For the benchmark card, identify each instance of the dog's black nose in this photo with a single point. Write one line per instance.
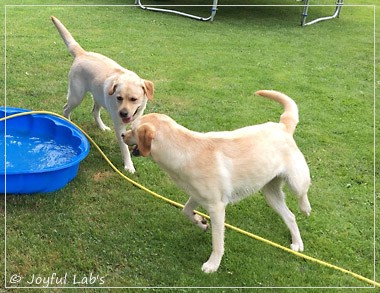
(122, 135)
(123, 114)
(135, 151)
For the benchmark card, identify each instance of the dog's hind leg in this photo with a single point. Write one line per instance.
(303, 203)
(298, 179)
(188, 210)
(75, 96)
(98, 120)
(275, 198)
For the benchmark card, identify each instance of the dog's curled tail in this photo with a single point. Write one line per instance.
(74, 48)
(290, 116)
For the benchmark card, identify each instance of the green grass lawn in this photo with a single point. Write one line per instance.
(205, 76)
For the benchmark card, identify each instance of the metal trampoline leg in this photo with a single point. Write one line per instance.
(213, 9)
(338, 8)
(210, 18)
(304, 12)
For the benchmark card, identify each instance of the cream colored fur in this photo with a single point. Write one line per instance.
(218, 168)
(120, 91)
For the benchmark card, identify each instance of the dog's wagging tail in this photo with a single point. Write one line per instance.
(72, 46)
(290, 116)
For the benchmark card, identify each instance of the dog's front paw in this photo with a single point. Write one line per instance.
(209, 267)
(130, 169)
(296, 247)
(104, 128)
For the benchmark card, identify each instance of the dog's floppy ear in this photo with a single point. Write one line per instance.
(112, 88)
(145, 134)
(149, 89)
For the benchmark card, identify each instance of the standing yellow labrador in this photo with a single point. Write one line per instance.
(218, 168)
(120, 91)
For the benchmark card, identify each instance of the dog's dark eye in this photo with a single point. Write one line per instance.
(133, 99)
(119, 98)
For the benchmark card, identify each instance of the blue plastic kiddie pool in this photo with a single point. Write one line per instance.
(38, 152)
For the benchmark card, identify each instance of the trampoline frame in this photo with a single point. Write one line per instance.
(214, 8)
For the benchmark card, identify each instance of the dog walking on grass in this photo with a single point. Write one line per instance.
(120, 91)
(218, 168)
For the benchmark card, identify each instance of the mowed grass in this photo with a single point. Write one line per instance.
(205, 76)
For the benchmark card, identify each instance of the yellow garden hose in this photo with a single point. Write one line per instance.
(178, 205)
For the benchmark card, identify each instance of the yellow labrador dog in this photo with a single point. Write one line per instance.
(120, 91)
(218, 168)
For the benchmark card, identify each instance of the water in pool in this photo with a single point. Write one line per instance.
(34, 153)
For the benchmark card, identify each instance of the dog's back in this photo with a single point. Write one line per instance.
(240, 162)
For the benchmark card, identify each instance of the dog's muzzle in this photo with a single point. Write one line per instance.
(134, 148)
(136, 151)
(124, 116)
